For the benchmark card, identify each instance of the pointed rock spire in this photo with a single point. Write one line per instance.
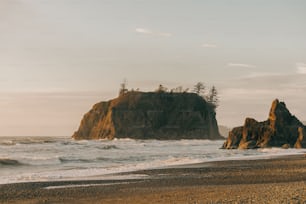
(281, 129)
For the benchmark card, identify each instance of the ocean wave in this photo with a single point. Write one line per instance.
(107, 147)
(79, 160)
(66, 143)
(123, 139)
(172, 161)
(73, 160)
(9, 141)
(9, 162)
(281, 151)
(38, 142)
(103, 159)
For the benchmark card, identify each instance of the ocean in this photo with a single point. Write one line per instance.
(31, 159)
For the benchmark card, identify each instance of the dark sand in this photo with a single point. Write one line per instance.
(278, 180)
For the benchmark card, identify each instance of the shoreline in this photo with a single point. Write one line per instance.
(276, 180)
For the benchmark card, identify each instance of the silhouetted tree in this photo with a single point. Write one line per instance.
(199, 88)
(178, 89)
(123, 88)
(213, 97)
(161, 88)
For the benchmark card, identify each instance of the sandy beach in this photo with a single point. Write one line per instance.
(277, 180)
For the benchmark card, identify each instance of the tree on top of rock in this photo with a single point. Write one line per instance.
(123, 88)
(161, 89)
(199, 88)
(213, 97)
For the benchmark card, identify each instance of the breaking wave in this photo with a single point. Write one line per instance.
(9, 162)
(7, 141)
(73, 160)
(26, 159)
(107, 147)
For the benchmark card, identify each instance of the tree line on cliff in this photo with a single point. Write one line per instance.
(210, 95)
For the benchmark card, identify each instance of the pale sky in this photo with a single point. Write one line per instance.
(59, 57)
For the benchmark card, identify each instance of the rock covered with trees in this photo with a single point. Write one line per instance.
(151, 115)
(211, 95)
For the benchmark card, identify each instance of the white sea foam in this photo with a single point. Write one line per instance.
(65, 159)
(86, 185)
(281, 152)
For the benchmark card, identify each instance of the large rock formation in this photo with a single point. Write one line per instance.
(280, 130)
(150, 115)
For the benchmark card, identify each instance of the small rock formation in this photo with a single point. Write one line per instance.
(152, 115)
(280, 130)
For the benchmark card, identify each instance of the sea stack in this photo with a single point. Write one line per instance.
(281, 129)
(150, 115)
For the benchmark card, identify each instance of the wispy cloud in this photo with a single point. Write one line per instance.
(241, 65)
(263, 75)
(154, 33)
(144, 31)
(301, 68)
(209, 45)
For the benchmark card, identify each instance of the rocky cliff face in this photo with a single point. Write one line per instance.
(280, 130)
(150, 116)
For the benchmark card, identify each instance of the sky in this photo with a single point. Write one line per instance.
(59, 57)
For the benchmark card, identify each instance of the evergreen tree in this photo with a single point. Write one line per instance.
(161, 89)
(199, 88)
(213, 97)
(123, 88)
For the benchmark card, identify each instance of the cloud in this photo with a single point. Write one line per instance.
(154, 33)
(301, 68)
(209, 45)
(144, 31)
(241, 65)
(263, 75)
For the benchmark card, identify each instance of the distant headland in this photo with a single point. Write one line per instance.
(151, 115)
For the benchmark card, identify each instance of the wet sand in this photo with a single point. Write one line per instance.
(278, 180)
